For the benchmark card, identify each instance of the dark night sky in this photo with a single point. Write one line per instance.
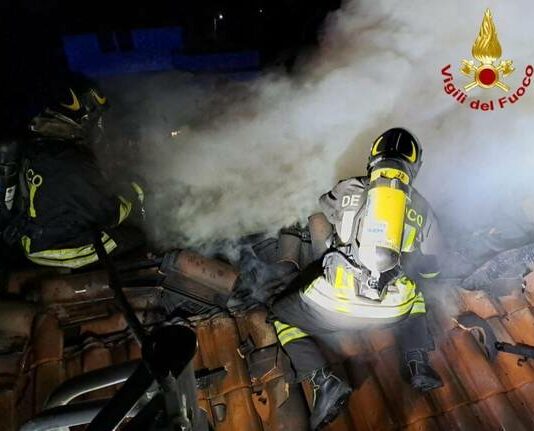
(32, 29)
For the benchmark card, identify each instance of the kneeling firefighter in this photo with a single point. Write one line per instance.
(385, 238)
(66, 197)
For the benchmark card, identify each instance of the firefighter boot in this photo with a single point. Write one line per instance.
(422, 377)
(329, 396)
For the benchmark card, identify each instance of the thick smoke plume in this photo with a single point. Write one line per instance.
(256, 155)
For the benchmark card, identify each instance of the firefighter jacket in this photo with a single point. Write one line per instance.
(338, 289)
(68, 199)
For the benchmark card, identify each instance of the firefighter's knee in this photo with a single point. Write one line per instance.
(287, 333)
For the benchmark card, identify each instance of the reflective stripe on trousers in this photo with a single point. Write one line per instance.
(287, 333)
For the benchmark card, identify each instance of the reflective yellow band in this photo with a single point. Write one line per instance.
(338, 284)
(390, 173)
(408, 238)
(279, 326)
(394, 305)
(290, 335)
(34, 181)
(418, 308)
(31, 209)
(139, 191)
(418, 305)
(67, 257)
(287, 333)
(125, 209)
(429, 274)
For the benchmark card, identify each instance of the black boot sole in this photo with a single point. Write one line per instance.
(334, 411)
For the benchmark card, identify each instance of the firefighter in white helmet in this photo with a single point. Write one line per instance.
(386, 239)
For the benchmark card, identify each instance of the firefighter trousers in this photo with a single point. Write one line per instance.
(299, 324)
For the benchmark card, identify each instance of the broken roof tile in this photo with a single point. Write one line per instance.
(480, 303)
(477, 394)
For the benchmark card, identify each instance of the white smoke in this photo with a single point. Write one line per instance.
(264, 158)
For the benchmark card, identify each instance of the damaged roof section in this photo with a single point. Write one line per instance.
(477, 394)
(82, 330)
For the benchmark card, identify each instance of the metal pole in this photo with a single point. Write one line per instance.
(90, 382)
(118, 407)
(65, 416)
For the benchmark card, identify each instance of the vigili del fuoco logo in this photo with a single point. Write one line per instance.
(486, 71)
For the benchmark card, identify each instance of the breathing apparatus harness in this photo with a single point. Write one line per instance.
(372, 249)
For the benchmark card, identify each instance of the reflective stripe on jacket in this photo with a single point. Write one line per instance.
(67, 257)
(401, 299)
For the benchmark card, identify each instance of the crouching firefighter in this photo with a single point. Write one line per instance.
(66, 197)
(385, 238)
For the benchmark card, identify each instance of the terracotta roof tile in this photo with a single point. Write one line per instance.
(48, 354)
(351, 345)
(239, 412)
(500, 414)
(439, 320)
(381, 339)
(520, 325)
(218, 341)
(526, 394)
(73, 366)
(114, 323)
(461, 418)
(518, 400)
(342, 423)
(407, 406)
(8, 410)
(478, 394)
(468, 362)
(426, 424)
(513, 302)
(453, 393)
(119, 353)
(367, 404)
(94, 358)
(480, 303)
(529, 288)
(134, 351)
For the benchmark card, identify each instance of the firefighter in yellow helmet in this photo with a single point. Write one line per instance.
(67, 199)
(386, 238)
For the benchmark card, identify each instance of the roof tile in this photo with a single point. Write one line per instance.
(461, 418)
(468, 362)
(513, 302)
(520, 325)
(528, 283)
(500, 414)
(426, 424)
(452, 394)
(480, 303)
(367, 404)
(407, 405)
(477, 395)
